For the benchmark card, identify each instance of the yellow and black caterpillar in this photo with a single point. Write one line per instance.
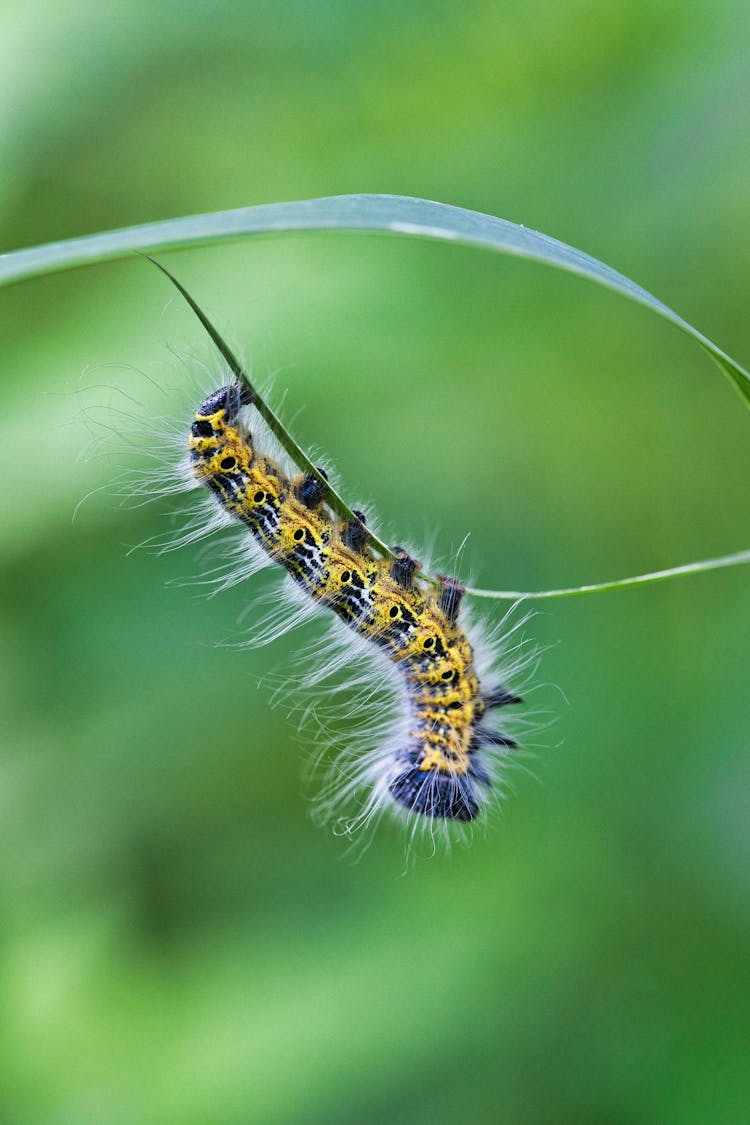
(442, 765)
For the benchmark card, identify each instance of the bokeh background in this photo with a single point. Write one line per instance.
(178, 942)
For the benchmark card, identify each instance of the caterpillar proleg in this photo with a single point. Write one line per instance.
(441, 767)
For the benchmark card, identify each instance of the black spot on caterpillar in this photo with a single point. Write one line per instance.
(440, 764)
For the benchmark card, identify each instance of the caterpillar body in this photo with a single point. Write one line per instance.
(442, 768)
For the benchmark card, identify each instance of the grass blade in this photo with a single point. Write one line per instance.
(336, 502)
(272, 420)
(736, 559)
(392, 214)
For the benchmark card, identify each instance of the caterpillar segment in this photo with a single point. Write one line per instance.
(438, 770)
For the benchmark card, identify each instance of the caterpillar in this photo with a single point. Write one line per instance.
(440, 768)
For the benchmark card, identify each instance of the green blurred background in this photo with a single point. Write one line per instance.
(178, 942)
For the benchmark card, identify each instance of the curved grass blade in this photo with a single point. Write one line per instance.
(336, 502)
(272, 420)
(736, 559)
(393, 214)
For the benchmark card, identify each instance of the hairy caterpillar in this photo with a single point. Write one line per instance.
(441, 767)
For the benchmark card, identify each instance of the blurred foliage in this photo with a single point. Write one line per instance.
(178, 943)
